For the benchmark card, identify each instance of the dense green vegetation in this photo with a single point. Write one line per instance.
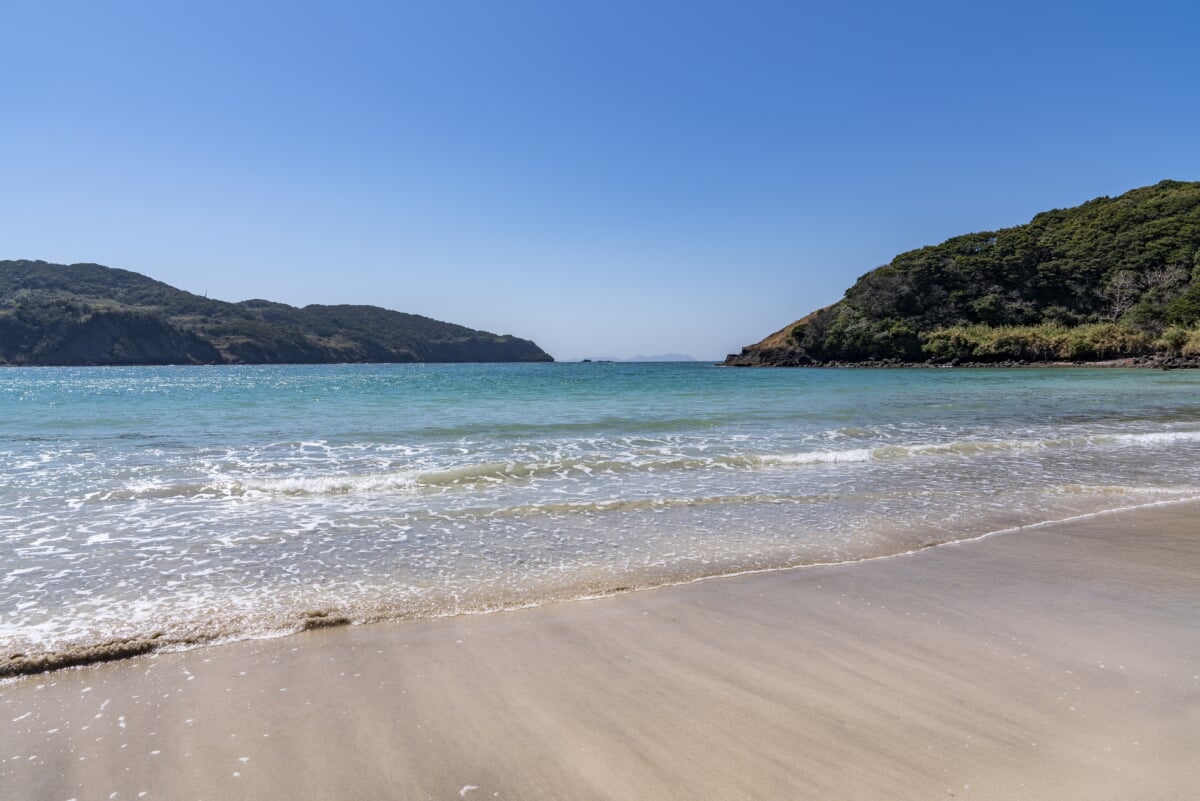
(89, 314)
(1113, 277)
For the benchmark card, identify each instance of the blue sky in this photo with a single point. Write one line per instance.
(606, 178)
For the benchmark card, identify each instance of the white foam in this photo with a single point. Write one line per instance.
(220, 536)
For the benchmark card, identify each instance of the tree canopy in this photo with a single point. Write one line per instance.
(1131, 261)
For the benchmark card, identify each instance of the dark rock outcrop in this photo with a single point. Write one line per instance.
(752, 356)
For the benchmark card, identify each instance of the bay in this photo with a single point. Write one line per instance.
(181, 506)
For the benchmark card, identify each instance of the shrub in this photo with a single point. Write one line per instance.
(1192, 346)
(1173, 340)
(1044, 342)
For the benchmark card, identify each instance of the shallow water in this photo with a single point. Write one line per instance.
(208, 503)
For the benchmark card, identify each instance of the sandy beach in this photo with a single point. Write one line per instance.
(1060, 662)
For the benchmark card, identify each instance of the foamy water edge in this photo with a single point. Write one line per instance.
(29, 665)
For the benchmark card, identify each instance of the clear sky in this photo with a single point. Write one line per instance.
(607, 178)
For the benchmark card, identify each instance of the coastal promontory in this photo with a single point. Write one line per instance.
(88, 314)
(1115, 278)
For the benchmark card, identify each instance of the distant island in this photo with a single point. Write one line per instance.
(658, 357)
(662, 357)
(87, 314)
(1113, 279)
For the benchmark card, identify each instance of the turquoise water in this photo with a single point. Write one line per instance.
(203, 504)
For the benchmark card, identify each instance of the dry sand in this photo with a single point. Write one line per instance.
(1055, 663)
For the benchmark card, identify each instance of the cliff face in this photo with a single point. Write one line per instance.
(1112, 278)
(776, 350)
(123, 337)
(86, 314)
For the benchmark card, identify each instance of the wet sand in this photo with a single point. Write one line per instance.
(1054, 663)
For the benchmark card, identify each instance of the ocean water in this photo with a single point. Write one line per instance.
(178, 506)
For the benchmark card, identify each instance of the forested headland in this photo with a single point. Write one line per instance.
(88, 314)
(1114, 278)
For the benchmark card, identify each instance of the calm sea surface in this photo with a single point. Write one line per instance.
(201, 504)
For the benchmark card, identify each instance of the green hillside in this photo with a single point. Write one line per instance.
(88, 314)
(1115, 277)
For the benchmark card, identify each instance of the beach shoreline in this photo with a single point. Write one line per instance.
(1061, 661)
(31, 663)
